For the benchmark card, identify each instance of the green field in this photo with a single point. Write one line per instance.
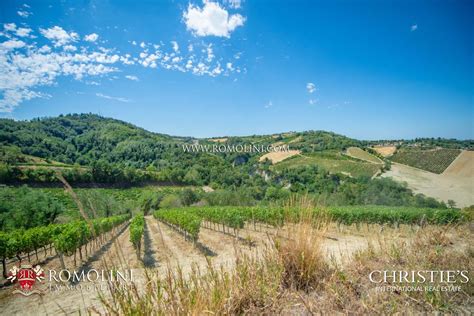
(433, 160)
(334, 162)
(361, 154)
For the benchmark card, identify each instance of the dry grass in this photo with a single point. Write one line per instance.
(278, 156)
(252, 287)
(385, 151)
(293, 276)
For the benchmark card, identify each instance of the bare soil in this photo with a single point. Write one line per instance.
(385, 151)
(456, 183)
(218, 140)
(462, 166)
(276, 157)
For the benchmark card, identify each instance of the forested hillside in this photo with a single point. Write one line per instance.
(89, 149)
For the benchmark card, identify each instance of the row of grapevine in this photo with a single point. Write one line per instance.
(235, 216)
(186, 223)
(65, 238)
(376, 214)
(137, 227)
(18, 242)
(75, 235)
(225, 216)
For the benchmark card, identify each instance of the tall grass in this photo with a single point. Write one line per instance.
(300, 253)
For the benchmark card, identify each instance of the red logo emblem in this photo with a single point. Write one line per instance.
(26, 276)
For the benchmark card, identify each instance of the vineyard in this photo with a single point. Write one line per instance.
(137, 227)
(332, 162)
(433, 160)
(231, 219)
(66, 239)
(187, 238)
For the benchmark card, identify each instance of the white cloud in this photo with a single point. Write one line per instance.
(210, 53)
(27, 65)
(311, 87)
(268, 105)
(414, 27)
(234, 4)
(24, 13)
(133, 78)
(13, 44)
(70, 48)
(212, 19)
(108, 97)
(175, 46)
(313, 101)
(91, 37)
(23, 31)
(9, 27)
(59, 36)
(44, 49)
(23, 71)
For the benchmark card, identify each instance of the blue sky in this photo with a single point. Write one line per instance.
(366, 69)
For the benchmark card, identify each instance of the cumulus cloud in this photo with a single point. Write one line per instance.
(133, 78)
(70, 48)
(311, 87)
(108, 97)
(23, 31)
(414, 27)
(91, 37)
(12, 29)
(59, 36)
(211, 19)
(13, 44)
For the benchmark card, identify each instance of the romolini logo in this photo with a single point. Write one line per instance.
(26, 275)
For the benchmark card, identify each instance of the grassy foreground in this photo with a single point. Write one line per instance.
(294, 275)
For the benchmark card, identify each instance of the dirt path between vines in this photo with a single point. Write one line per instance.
(173, 250)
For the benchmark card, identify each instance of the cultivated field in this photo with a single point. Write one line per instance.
(334, 163)
(276, 157)
(361, 154)
(433, 160)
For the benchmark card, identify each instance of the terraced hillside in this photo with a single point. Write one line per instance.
(432, 160)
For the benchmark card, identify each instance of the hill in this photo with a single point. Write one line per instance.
(90, 149)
